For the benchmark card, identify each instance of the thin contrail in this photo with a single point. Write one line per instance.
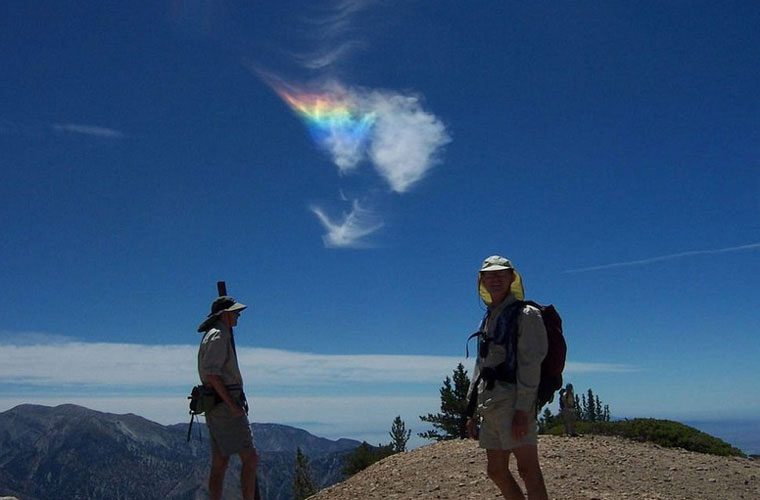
(91, 130)
(751, 246)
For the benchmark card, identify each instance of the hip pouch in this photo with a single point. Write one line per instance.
(202, 399)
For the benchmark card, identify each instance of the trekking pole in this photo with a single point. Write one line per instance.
(221, 287)
(190, 427)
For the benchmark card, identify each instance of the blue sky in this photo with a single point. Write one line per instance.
(611, 150)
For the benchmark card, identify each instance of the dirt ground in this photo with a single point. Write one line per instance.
(587, 467)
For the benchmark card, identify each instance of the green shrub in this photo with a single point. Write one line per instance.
(662, 432)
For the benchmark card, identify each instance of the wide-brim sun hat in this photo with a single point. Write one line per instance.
(222, 304)
(499, 263)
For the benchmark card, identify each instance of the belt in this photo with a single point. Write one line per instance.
(230, 387)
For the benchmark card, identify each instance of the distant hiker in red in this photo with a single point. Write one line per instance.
(227, 422)
(511, 347)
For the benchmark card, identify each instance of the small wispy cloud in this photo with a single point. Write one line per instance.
(680, 255)
(332, 34)
(351, 230)
(91, 130)
(573, 367)
(32, 338)
(327, 56)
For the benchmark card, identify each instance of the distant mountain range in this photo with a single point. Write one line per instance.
(73, 452)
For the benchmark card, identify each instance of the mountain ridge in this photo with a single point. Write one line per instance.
(70, 451)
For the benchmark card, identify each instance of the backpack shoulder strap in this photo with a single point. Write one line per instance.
(467, 345)
(532, 303)
(479, 333)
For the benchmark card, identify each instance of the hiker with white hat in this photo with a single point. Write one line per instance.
(512, 344)
(227, 421)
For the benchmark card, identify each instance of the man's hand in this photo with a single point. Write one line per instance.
(472, 428)
(216, 382)
(520, 424)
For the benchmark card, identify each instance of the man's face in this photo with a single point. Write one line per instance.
(497, 283)
(230, 318)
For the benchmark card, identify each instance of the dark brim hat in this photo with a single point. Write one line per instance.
(225, 303)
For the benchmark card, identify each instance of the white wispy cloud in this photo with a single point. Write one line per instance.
(135, 365)
(91, 130)
(351, 230)
(327, 56)
(680, 255)
(390, 130)
(111, 365)
(19, 338)
(329, 33)
(574, 367)
(344, 395)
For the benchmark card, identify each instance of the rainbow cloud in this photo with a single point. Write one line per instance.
(389, 130)
(392, 131)
(334, 122)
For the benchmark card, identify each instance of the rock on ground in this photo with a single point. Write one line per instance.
(587, 468)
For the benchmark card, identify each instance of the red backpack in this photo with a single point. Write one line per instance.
(554, 362)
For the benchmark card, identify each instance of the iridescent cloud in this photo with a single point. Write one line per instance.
(334, 122)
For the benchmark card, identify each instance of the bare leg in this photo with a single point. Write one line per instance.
(216, 477)
(249, 460)
(498, 471)
(530, 471)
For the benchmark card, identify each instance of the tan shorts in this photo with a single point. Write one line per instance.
(496, 429)
(229, 435)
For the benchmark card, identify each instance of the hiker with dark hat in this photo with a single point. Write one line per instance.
(227, 421)
(512, 344)
(567, 409)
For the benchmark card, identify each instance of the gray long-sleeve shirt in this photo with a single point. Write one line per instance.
(532, 345)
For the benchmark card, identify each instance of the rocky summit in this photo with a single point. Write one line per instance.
(580, 468)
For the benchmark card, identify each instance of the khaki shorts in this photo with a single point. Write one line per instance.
(496, 429)
(229, 435)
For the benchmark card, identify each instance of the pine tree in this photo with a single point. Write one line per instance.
(303, 485)
(590, 409)
(399, 435)
(363, 456)
(546, 421)
(584, 408)
(451, 423)
(599, 413)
